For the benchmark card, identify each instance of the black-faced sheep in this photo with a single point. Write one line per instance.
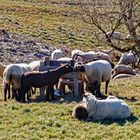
(96, 72)
(41, 79)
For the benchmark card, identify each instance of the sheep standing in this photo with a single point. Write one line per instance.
(96, 72)
(12, 76)
(41, 79)
(109, 108)
(128, 58)
(57, 54)
(7, 86)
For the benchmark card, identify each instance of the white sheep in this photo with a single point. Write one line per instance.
(115, 35)
(110, 108)
(76, 52)
(128, 58)
(35, 65)
(120, 76)
(96, 72)
(57, 54)
(123, 69)
(12, 75)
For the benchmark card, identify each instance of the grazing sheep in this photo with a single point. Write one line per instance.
(109, 108)
(12, 76)
(128, 58)
(57, 54)
(96, 72)
(123, 69)
(41, 79)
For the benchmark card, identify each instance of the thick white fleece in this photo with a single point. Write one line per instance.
(110, 108)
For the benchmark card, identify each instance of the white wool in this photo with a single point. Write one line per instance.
(13, 72)
(35, 65)
(128, 58)
(99, 70)
(57, 54)
(76, 52)
(120, 76)
(110, 108)
(126, 69)
(64, 59)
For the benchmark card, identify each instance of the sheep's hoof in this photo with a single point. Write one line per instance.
(53, 99)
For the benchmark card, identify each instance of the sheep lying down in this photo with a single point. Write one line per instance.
(110, 108)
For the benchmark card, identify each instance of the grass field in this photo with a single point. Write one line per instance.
(57, 23)
(52, 120)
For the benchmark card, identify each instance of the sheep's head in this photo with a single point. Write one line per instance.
(79, 67)
(67, 67)
(80, 112)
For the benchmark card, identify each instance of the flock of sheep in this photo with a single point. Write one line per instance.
(92, 68)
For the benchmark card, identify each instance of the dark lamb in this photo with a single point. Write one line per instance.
(41, 79)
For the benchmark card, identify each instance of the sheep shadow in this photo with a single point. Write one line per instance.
(66, 98)
(132, 119)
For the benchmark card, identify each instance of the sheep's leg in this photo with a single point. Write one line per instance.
(91, 87)
(5, 91)
(106, 86)
(47, 94)
(98, 90)
(9, 96)
(22, 93)
(14, 94)
(29, 94)
(52, 93)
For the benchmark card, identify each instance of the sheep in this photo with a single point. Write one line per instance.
(96, 72)
(35, 65)
(57, 54)
(115, 35)
(109, 108)
(12, 76)
(74, 53)
(92, 56)
(7, 86)
(119, 76)
(41, 79)
(123, 69)
(128, 58)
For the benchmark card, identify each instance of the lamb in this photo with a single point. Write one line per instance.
(123, 69)
(96, 72)
(128, 58)
(57, 54)
(109, 108)
(12, 76)
(46, 78)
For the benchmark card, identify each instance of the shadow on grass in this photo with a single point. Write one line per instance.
(131, 119)
(67, 98)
